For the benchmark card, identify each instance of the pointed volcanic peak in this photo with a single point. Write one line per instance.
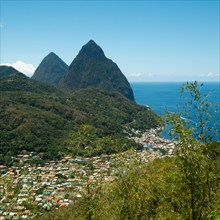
(92, 50)
(51, 69)
(8, 70)
(92, 69)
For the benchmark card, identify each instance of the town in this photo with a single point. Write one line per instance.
(31, 188)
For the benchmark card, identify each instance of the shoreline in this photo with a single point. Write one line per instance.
(151, 140)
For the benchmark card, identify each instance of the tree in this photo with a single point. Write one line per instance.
(193, 130)
(185, 187)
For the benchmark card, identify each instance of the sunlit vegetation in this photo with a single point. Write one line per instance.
(149, 191)
(186, 186)
(38, 117)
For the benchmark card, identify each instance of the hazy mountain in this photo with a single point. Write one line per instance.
(51, 69)
(91, 69)
(7, 70)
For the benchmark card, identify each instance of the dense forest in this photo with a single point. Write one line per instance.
(35, 116)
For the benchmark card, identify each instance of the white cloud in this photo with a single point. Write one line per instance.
(135, 74)
(150, 74)
(209, 75)
(27, 69)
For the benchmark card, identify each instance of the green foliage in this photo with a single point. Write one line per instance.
(200, 110)
(199, 176)
(20, 82)
(7, 71)
(89, 141)
(148, 191)
(112, 113)
(137, 195)
(183, 187)
(38, 117)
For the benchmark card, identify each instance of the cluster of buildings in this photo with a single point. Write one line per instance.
(28, 189)
(153, 142)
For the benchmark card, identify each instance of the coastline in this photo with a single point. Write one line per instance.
(152, 141)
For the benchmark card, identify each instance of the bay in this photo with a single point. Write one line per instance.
(162, 96)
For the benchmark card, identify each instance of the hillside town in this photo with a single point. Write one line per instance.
(30, 188)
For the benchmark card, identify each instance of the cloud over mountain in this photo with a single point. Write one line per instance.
(27, 69)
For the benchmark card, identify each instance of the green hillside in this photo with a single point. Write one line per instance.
(19, 82)
(38, 117)
(7, 71)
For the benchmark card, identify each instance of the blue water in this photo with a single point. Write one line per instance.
(162, 96)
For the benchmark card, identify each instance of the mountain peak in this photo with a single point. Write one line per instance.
(51, 69)
(92, 42)
(93, 50)
(92, 69)
(52, 54)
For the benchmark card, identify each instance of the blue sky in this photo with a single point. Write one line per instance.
(149, 40)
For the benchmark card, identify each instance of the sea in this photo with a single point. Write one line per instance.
(166, 96)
